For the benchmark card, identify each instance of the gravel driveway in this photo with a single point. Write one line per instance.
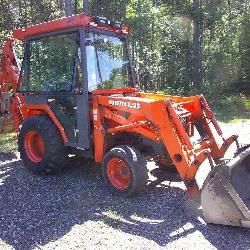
(74, 210)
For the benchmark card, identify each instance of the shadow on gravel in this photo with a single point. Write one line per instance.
(36, 210)
(7, 156)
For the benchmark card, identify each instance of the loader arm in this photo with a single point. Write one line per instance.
(10, 101)
(165, 120)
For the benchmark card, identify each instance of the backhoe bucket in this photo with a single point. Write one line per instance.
(225, 196)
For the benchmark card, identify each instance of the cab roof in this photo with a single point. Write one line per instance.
(75, 21)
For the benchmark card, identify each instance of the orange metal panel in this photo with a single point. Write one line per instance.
(218, 152)
(136, 128)
(114, 91)
(52, 26)
(127, 127)
(47, 110)
(80, 20)
(179, 127)
(98, 131)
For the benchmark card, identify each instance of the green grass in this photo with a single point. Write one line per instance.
(247, 103)
(231, 117)
(8, 142)
(232, 109)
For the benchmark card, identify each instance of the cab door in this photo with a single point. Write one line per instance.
(54, 72)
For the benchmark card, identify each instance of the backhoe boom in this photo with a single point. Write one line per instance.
(10, 101)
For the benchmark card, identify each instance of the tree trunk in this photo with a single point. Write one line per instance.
(197, 45)
(86, 6)
(123, 9)
(68, 8)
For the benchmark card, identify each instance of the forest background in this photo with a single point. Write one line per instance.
(179, 47)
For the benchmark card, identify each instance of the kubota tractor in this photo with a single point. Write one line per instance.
(75, 94)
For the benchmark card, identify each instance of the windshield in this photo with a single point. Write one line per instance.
(107, 62)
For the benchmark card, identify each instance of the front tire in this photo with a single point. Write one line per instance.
(41, 146)
(124, 170)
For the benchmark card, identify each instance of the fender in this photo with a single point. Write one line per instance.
(45, 109)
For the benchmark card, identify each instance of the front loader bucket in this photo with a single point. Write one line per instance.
(225, 196)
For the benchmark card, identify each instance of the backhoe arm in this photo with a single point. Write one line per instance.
(9, 68)
(10, 101)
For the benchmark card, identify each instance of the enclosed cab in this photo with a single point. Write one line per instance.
(64, 62)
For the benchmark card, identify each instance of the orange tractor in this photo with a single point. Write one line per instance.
(75, 94)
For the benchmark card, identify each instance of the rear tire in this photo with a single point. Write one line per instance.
(41, 146)
(124, 171)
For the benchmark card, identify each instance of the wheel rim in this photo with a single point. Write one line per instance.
(34, 146)
(119, 173)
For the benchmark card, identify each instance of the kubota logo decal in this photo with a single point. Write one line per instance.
(132, 105)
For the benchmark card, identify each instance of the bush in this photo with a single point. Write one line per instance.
(231, 104)
(241, 87)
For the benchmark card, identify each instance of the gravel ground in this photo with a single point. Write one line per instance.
(74, 210)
